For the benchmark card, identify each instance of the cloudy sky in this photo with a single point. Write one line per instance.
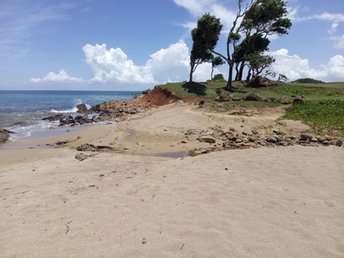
(135, 44)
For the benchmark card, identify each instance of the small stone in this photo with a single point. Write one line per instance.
(207, 138)
(251, 139)
(254, 131)
(272, 139)
(306, 137)
(253, 97)
(284, 101)
(321, 139)
(81, 156)
(339, 142)
(328, 138)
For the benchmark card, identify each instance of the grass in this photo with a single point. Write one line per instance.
(207, 90)
(324, 117)
(323, 108)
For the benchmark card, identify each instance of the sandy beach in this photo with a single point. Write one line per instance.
(146, 198)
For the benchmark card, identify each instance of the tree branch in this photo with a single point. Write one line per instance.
(219, 54)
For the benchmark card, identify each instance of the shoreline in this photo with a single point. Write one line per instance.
(126, 201)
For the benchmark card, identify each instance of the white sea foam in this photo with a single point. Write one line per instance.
(22, 132)
(72, 110)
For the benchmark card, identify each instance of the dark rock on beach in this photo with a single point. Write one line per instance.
(56, 117)
(81, 108)
(4, 135)
(67, 120)
(91, 147)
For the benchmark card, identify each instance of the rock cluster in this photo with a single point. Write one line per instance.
(224, 96)
(111, 110)
(4, 135)
(93, 148)
(232, 139)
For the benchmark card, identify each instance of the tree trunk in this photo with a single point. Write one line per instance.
(237, 71)
(229, 85)
(241, 70)
(248, 78)
(212, 73)
(190, 75)
(192, 68)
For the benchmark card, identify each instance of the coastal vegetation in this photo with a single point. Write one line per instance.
(320, 105)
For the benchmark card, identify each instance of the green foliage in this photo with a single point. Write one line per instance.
(250, 45)
(267, 17)
(233, 36)
(216, 61)
(308, 80)
(322, 116)
(218, 77)
(258, 62)
(204, 37)
(207, 33)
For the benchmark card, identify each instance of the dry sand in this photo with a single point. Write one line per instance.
(266, 202)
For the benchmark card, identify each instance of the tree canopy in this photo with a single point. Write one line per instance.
(247, 39)
(204, 37)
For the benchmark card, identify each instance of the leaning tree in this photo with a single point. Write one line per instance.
(207, 26)
(255, 21)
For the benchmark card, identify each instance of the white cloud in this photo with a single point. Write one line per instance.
(326, 16)
(195, 7)
(333, 28)
(198, 7)
(114, 65)
(61, 76)
(295, 67)
(166, 65)
(170, 64)
(338, 41)
(335, 18)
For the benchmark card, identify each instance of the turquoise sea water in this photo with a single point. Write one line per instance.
(22, 111)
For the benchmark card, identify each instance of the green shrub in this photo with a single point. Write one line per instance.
(218, 77)
(308, 80)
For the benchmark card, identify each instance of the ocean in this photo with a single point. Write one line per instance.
(22, 111)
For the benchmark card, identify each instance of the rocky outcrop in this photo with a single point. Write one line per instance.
(260, 81)
(253, 97)
(56, 117)
(284, 100)
(220, 139)
(93, 148)
(81, 108)
(4, 135)
(83, 156)
(223, 96)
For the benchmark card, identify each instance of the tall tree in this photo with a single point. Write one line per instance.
(204, 37)
(252, 24)
(216, 61)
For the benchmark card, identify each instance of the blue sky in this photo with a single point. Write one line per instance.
(135, 44)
